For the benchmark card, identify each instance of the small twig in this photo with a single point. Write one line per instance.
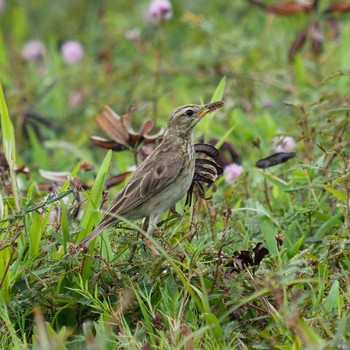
(49, 200)
(267, 305)
(267, 194)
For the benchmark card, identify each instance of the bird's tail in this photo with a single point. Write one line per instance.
(94, 233)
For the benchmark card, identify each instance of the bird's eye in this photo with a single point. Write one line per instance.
(189, 112)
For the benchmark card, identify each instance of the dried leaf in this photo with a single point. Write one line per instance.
(338, 7)
(120, 130)
(284, 8)
(153, 138)
(146, 127)
(243, 259)
(117, 179)
(126, 120)
(107, 144)
(4, 166)
(59, 177)
(111, 123)
(335, 31)
(316, 34)
(186, 331)
(298, 43)
(259, 253)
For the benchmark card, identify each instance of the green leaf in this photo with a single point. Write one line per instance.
(4, 61)
(213, 322)
(269, 232)
(36, 230)
(64, 225)
(292, 251)
(274, 179)
(220, 90)
(8, 142)
(91, 216)
(335, 193)
(333, 221)
(5, 256)
(226, 135)
(38, 151)
(2, 207)
(336, 110)
(332, 298)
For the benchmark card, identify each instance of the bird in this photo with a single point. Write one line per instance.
(163, 178)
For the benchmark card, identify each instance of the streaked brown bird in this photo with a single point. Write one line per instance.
(163, 178)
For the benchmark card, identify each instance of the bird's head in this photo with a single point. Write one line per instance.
(183, 119)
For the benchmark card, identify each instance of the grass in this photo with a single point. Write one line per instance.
(117, 295)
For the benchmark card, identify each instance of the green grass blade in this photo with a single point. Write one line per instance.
(8, 142)
(219, 91)
(91, 215)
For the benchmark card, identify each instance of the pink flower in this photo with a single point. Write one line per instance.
(283, 144)
(33, 50)
(133, 34)
(56, 212)
(72, 51)
(232, 171)
(75, 98)
(2, 5)
(158, 10)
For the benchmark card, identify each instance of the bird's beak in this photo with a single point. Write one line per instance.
(209, 108)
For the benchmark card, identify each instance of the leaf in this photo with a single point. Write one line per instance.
(2, 207)
(5, 256)
(4, 61)
(219, 92)
(111, 123)
(8, 134)
(336, 110)
(64, 225)
(332, 298)
(293, 250)
(333, 221)
(337, 194)
(8, 142)
(298, 43)
(37, 228)
(213, 323)
(225, 136)
(274, 179)
(269, 233)
(38, 151)
(91, 216)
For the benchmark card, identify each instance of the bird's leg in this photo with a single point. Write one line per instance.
(173, 211)
(145, 226)
(151, 222)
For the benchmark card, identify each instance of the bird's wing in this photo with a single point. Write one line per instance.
(150, 178)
